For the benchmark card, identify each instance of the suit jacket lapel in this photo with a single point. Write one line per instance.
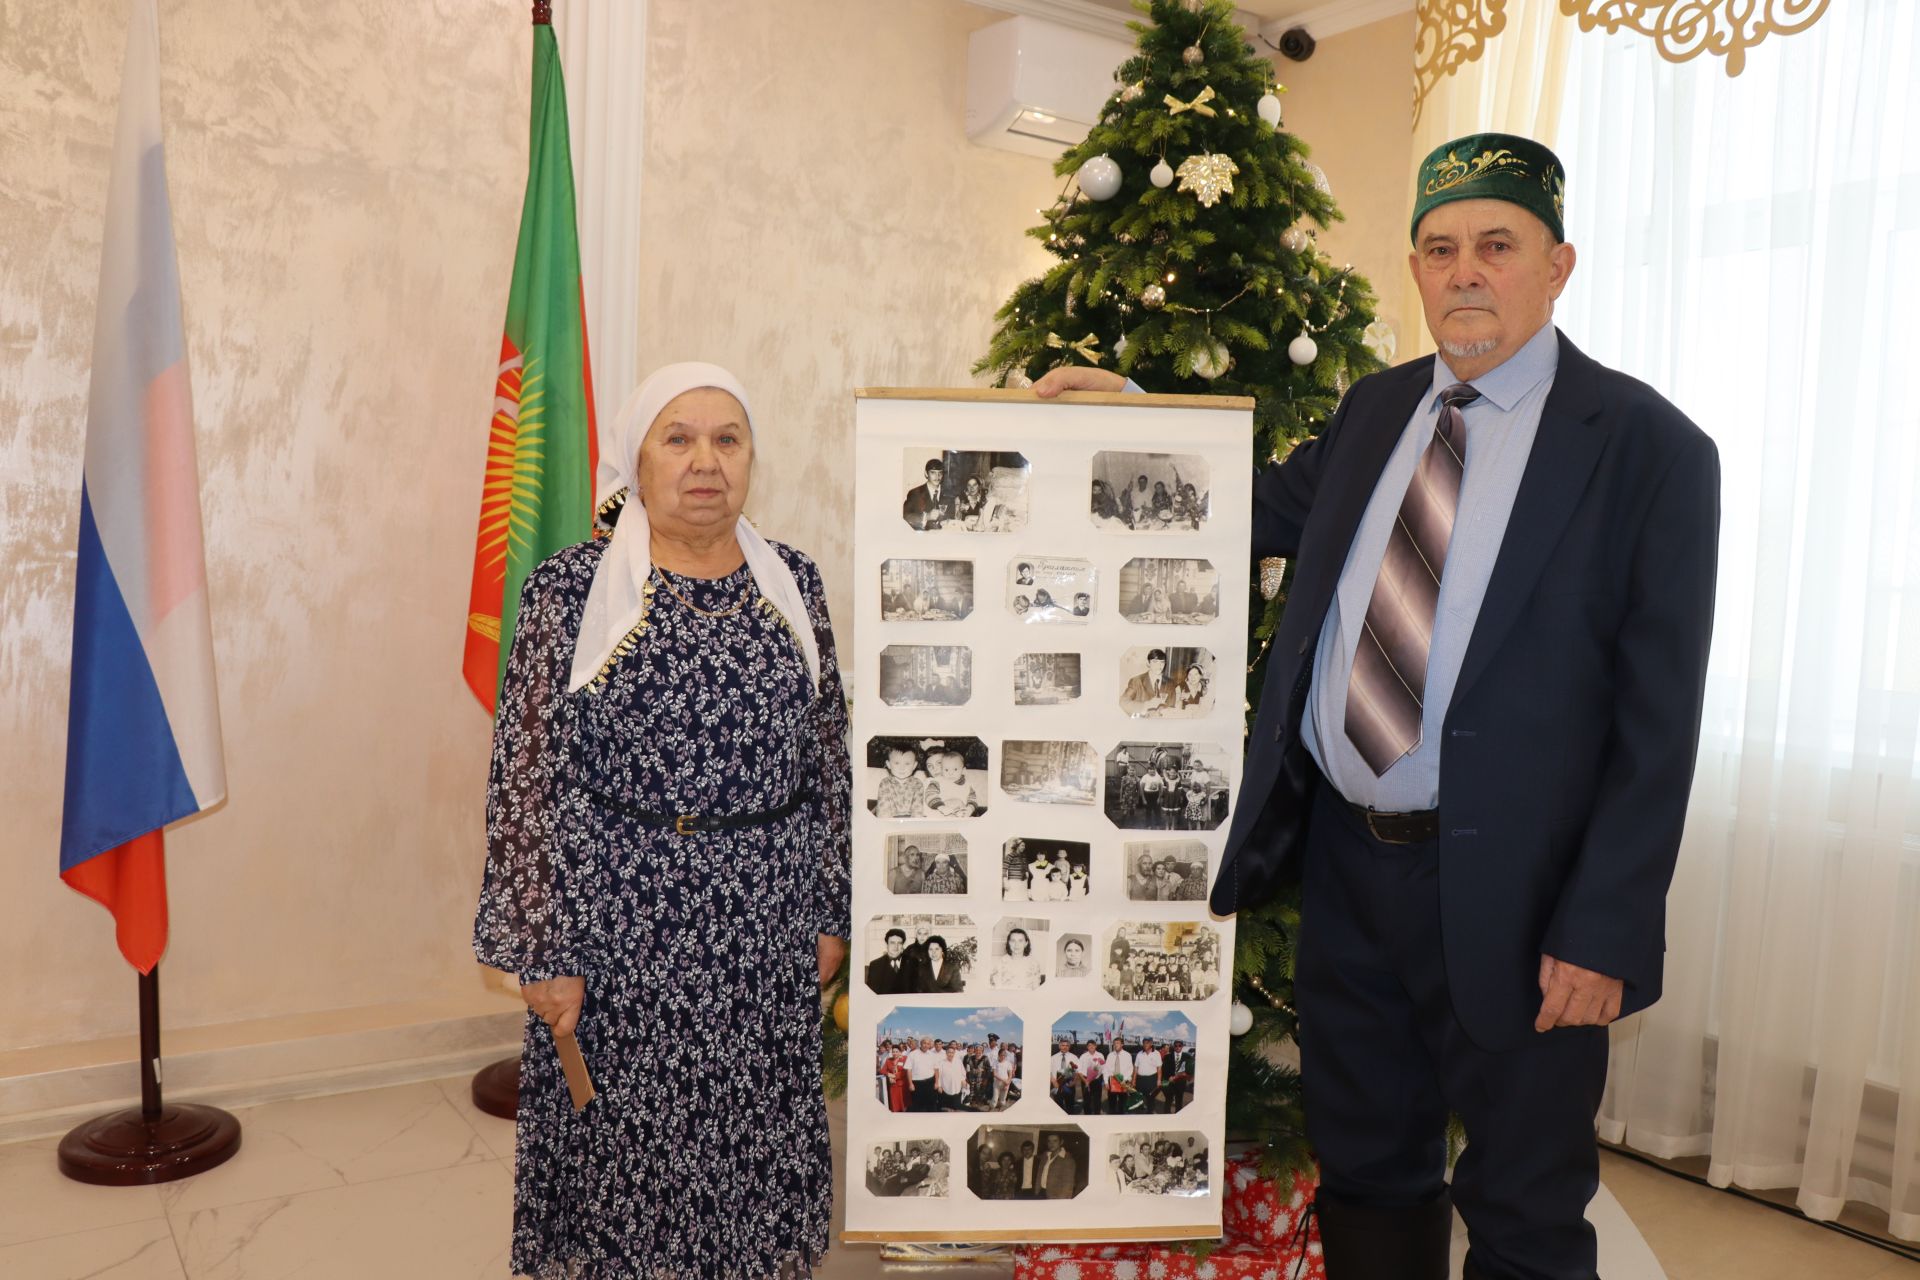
(1365, 446)
(1565, 450)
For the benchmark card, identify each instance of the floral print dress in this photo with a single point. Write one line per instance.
(705, 1153)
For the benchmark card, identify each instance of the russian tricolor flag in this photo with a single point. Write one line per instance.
(143, 718)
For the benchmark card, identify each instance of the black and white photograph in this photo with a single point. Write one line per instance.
(1150, 492)
(926, 675)
(1027, 1162)
(965, 1059)
(1172, 592)
(929, 777)
(1018, 950)
(1034, 869)
(912, 1167)
(1165, 870)
(1051, 589)
(1045, 679)
(1158, 1164)
(1049, 772)
(926, 590)
(1167, 786)
(1115, 1063)
(1073, 956)
(1166, 682)
(964, 491)
(921, 954)
(927, 862)
(1161, 960)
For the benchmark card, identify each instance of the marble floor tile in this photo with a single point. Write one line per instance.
(495, 1132)
(448, 1224)
(310, 1143)
(37, 1200)
(131, 1251)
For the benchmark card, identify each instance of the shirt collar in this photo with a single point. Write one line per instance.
(1507, 383)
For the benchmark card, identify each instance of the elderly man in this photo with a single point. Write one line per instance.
(1476, 739)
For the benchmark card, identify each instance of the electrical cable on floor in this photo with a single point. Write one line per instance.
(1894, 1247)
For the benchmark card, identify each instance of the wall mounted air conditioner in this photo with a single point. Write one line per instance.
(1036, 87)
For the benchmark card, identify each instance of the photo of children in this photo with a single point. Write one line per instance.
(1049, 772)
(1045, 679)
(1166, 682)
(1176, 592)
(926, 675)
(1150, 492)
(944, 778)
(1167, 786)
(963, 491)
(926, 590)
(927, 862)
(1039, 870)
(1048, 589)
(1161, 960)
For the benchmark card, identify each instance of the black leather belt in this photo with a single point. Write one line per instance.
(687, 824)
(1398, 828)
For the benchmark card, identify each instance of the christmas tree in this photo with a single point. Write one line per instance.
(1185, 258)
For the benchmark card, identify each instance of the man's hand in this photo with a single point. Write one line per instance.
(1574, 997)
(832, 951)
(557, 1001)
(1077, 377)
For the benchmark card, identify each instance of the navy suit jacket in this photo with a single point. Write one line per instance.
(1570, 739)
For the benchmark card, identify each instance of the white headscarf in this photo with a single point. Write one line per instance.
(615, 604)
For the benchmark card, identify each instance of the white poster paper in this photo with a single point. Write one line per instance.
(1046, 595)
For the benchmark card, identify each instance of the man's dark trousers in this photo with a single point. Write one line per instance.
(1384, 1059)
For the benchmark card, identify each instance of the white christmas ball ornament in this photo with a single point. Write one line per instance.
(1240, 1021)
(1303, 350)
(1100, 178)
(1162, 175)
(1193, 55)
(1269, 109)
(1296, 238)
(1210, 361)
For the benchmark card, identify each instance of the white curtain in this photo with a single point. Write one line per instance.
(603, 51)
(1751, 247)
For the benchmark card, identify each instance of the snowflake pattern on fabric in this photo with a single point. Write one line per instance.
(706, 1152)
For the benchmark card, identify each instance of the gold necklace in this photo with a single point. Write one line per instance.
(705, 613)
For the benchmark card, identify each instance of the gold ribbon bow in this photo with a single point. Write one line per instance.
(1083, 348)
(1199, 103)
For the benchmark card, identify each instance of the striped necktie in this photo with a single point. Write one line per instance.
(1389, 683)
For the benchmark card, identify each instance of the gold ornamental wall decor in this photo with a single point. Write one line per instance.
(1684, 29)
(1450, 34)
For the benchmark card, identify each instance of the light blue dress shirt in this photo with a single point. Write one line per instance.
(1501, 426)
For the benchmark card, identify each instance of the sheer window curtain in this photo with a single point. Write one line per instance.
(1751, 247)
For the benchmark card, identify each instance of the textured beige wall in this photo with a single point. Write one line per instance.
(1353, 104)
(346, 182)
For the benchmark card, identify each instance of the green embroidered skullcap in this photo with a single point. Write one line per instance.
(1493, 166)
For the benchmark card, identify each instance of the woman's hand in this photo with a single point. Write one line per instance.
(1077, 377)
(832, 951)
(557, 1001)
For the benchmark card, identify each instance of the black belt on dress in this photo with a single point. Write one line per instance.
(686, 824)
(1398, 828)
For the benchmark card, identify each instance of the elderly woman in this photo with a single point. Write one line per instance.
(667, 830)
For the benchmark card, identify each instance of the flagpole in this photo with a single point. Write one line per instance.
(153, 1142)
(496, 1086)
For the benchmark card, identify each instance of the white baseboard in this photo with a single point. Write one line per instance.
(44, 1092)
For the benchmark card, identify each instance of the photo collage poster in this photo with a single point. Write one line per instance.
(1049, 640)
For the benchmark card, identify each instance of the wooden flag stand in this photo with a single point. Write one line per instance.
(154, 1142)
(496, 1088)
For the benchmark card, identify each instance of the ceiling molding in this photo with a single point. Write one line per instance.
(1081, 15)
(1333, 18)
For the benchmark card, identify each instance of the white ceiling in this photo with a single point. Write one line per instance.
(1267, 17)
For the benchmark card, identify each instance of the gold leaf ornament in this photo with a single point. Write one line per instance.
(1208, 177)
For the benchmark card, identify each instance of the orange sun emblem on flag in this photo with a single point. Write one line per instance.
(516, 461)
